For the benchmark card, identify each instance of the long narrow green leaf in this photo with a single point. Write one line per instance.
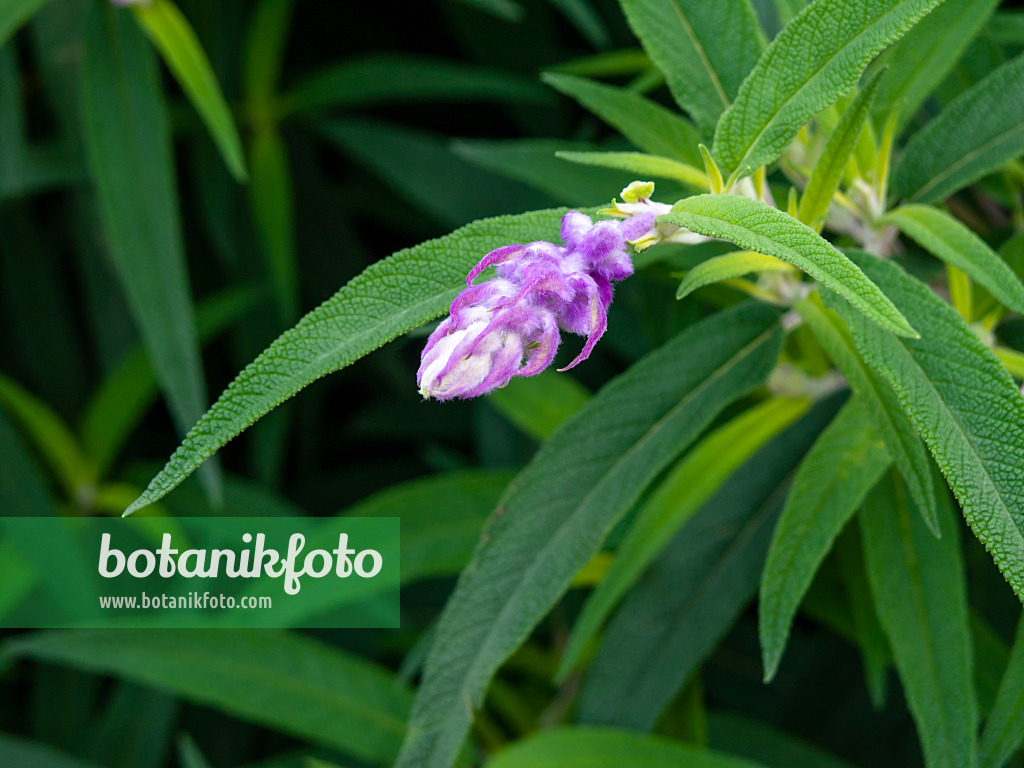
(538, 404)
(726, 267)
(811, 63)
(844, 464)
(177, 43)
(979, 131)
(29, 754)
(704, 49)
(607, 748)
(963, 403)
(919, 62)
(393, 78)
(694, 591)
(128, 144)
(951, 241)
(284, 681)
(824, 179)
(646, 123)
(1004, 731)
(273, 211)
(921, 597)
(582, 15)
(14, 13)
(901, 441)
(646, 166)
(684, 490)
(369, 311)
(755, 226)
(557, 512)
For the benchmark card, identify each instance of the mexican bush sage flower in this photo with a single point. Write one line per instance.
(509, 326)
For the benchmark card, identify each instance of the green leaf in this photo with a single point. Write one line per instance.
(920, 595)
(283, 681)
(650, 126)
(14, 13)
(901, 440)
(128, 144)
(181, 51)
(844, 464)
(272, 201)
(556, 513)
(29, 754)
(828, 170)
(191, 756)
(694, 591)
(400, 79)
(608, 748)
(1007, 27)
(441, 518)
(647, 166)
(704, 49)
(812, 62)
(951, 241)
(624, 61)
(726, 267)
(963, 403)
(789, 9)
(685, 489)
(581, 14)
(756, 740)
(538, 404)
(755, 226)
(1004, 731)
(979, 131)
(390, 297)
(263, 55)
(926, 55)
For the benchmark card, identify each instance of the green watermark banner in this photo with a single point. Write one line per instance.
(207, 572)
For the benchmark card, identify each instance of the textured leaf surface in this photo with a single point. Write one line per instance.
(833, 480)
(284, 681)
(950, 240)
(389, 298)
(976, 133)
(755, 226)
(812, 62)
(128, 143)
(963, 403)
(684, 490)
(828, 170)
(180, 48)
(921, 598)
(556, 513)
(650, 126)
(919, 62)
(607, 748)
(704, 49)
(693, 593)
(643, 165)
(726, 267)
(1004, 731)
(901, 440)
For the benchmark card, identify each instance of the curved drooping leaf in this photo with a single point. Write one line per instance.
(828, 170)
(951, 241)
(901, 440)
(14, 13)
(177, 43)
(1004, 730)
(643, 165)
(556, 513)
(918, 63)
(976, 133)
(128, 144)
(755, 226)
(703, 49)
(650, 126)
(389, 298)
(812, 62)
(964, 404)
(726, 267)
(844, 464)
(401, 79)
(608, 748)
(284, 681)
(695, 478)
(920, 595)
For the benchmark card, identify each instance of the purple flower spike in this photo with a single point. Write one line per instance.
(509, 326)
